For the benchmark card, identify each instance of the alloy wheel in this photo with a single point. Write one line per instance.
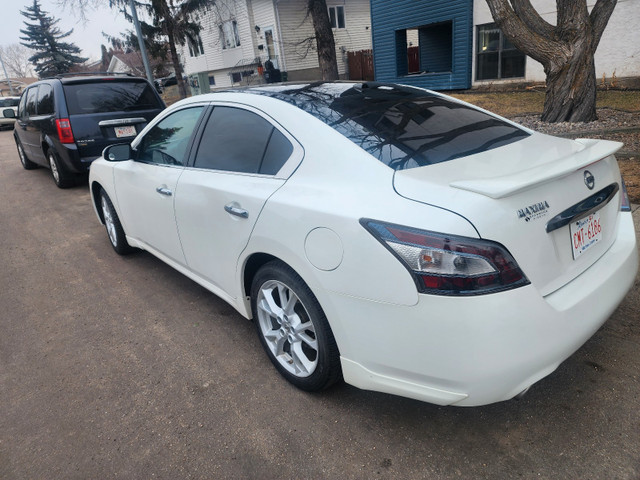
(109, 222)
(287, 328)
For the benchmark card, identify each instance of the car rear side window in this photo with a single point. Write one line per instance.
(237, 140)
(109, 96)
(32, 95)
(45, 100)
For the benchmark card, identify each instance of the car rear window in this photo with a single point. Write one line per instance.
(402, 127)
(109, 96)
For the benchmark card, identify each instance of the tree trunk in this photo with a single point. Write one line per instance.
(571, 90)
(175, 59)
(324, 39)
(182, 89)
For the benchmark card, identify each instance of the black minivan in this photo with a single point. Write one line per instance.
(65, 122)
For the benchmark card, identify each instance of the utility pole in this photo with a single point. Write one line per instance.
(143, 50)
(6, 76)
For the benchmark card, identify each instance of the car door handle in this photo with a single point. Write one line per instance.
(164, 191)
(238, 212)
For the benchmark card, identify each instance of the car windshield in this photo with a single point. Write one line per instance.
(9, 102)
(402, 127)
(109, 96)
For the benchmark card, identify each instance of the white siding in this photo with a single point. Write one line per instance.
(215, 58)
(264, 16)
(297, 33)
(619, 48)
(291, 27)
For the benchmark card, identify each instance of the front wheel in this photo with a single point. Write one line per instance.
(293, 328)
(115, 232)
(26, 163)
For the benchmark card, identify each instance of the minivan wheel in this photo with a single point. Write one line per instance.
(26, 163)
(61, 177)
(293, 329)
(115, 232)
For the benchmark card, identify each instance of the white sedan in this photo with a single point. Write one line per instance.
(394, 237)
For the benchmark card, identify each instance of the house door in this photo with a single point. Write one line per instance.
(271, 48)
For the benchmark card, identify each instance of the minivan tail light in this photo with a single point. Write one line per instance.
(65, 134)
(449, 264)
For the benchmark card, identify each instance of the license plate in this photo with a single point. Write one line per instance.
(128, 131)
(585, 234)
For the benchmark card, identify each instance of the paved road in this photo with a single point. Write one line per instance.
(115, 367)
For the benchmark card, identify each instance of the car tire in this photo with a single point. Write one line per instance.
(24, 160)
(115, 232)
(61, 177)
(293, 329)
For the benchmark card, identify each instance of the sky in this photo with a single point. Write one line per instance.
(86, 35)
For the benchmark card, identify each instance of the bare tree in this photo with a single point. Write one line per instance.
(566, 51)
(16, 60)
(325, 42)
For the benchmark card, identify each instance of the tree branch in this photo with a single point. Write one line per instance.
(532, 18)
(537, 46)
(599, 17)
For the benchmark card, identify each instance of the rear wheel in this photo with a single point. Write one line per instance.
(61, 177)
(26, 163)
(115, 232)
(293, 328)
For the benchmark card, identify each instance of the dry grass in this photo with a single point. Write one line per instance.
(509, 104)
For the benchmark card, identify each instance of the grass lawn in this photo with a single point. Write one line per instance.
(509, 104)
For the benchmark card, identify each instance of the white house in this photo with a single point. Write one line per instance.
(238, 37)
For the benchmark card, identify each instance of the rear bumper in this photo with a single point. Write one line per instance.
(71, 159)
(479, 350)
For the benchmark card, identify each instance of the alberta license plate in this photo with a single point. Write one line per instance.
(585, 234)
(128, 131)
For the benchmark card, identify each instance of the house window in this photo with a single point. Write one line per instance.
(425, 49)
(497, 57)
(336, 16)
(229, 34)
(195, 46)
(212, 80)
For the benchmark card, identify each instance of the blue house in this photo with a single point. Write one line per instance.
(423, 43)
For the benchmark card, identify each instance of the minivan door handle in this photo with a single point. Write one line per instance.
(238, 212)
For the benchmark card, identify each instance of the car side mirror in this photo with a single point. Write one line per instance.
(9, 113)
(118, 152)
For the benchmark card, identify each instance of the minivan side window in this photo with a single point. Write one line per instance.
(32, 94)
(45, 100)
(237, 140)
(22, 107)
(166, 143)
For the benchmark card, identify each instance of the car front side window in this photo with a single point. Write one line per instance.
(166, 143)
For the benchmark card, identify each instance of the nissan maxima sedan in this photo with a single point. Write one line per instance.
(390, 236)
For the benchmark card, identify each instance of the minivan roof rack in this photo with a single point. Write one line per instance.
(77, 74)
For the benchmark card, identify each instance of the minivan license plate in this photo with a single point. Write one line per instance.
(128, 131)
(585, 234)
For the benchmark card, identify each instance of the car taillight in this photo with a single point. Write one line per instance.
(65, 134)
(625, 205)
(449, 264)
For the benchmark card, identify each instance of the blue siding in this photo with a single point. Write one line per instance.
(390, 19)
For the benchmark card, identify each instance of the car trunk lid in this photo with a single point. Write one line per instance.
(529, 196)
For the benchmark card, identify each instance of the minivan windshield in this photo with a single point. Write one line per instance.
(403, 127)
(110, 96)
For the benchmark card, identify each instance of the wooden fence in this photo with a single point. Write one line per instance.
(361, 65)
